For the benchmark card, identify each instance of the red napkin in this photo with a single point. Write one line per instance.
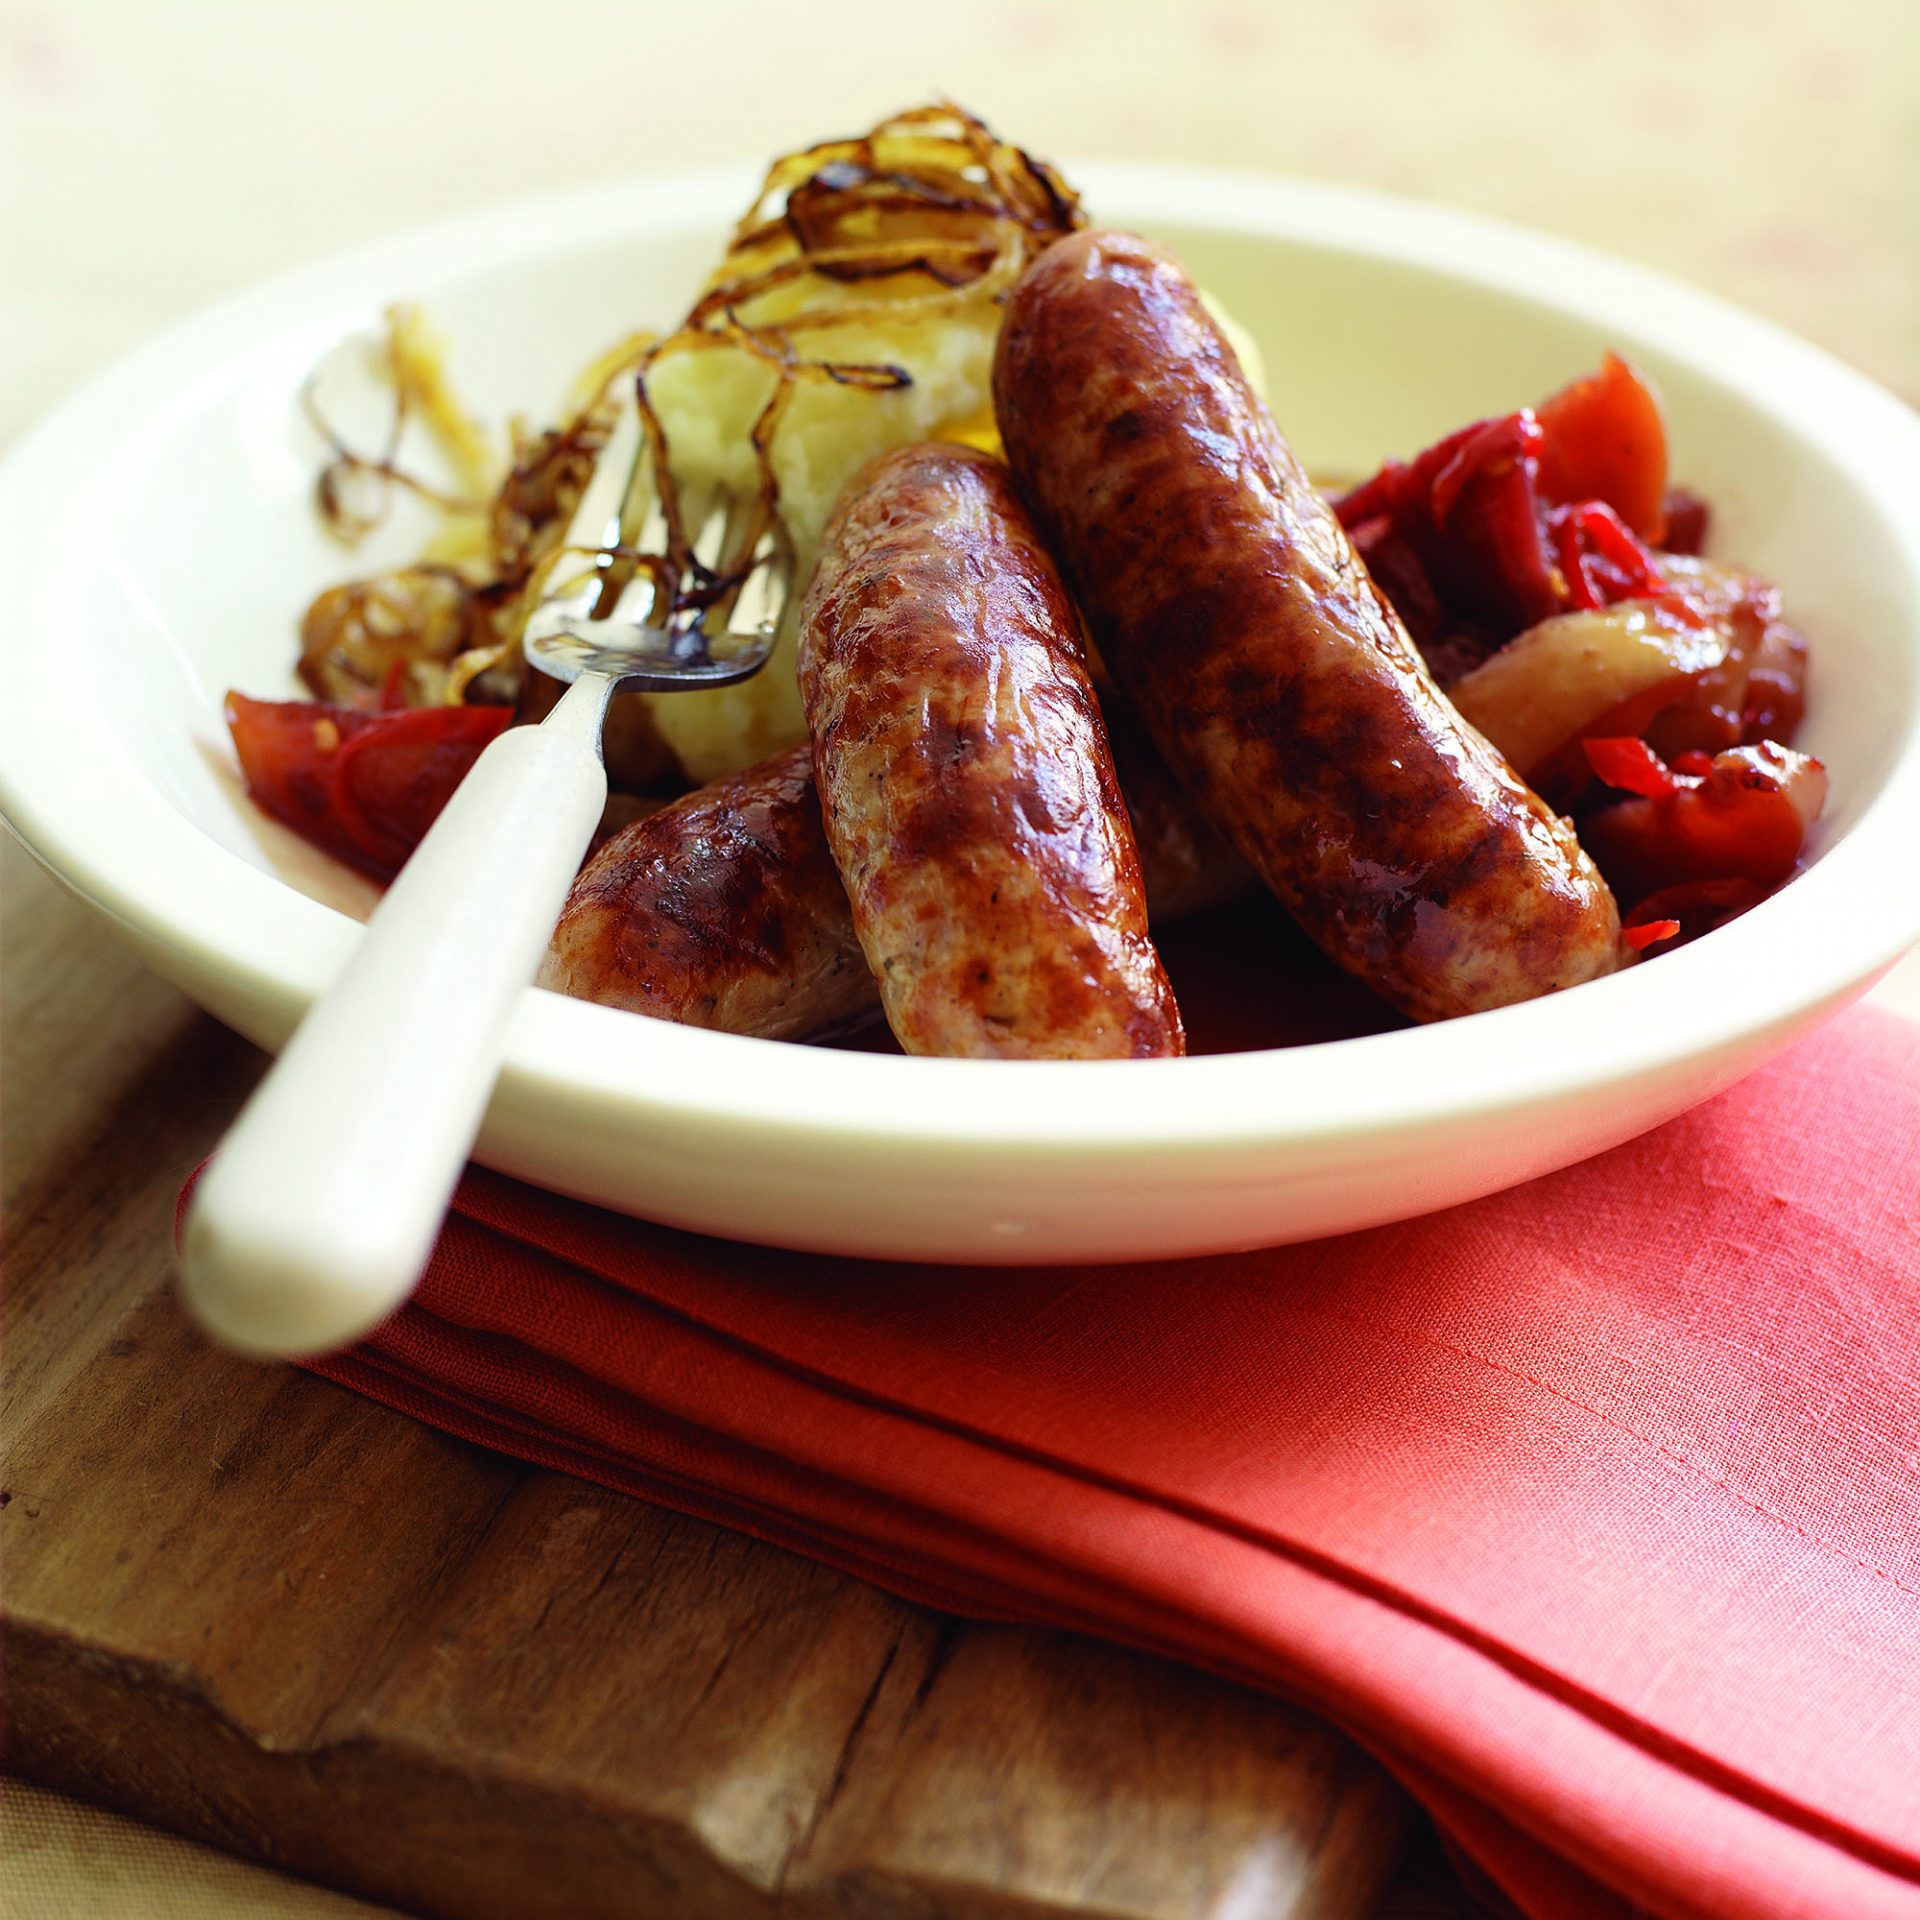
(1593, 1508)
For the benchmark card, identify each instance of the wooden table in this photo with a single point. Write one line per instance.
(245, 1604)
(260, 1611)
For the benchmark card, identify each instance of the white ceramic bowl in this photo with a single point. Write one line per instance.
(157, 545)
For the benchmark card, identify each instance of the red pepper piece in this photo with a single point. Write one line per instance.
(1486, 448)
(1382, 497)
(1640, 935)
(364, 787)
(1631, 765)
(1524, 515)
(1745, 821)
(1571, 556)
(1600, 559)
(1473, 517)
(1616, 545)
(1696, 906)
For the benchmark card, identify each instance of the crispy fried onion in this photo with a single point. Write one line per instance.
(353, 490)
(428, 633)
(928, 212)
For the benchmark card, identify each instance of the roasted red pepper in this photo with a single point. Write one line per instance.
(1461, 526)
(1600, 561)
(1630, 765)
(1741, 824)
(1522, 516)
(1641, 934)
(364, 787)
(1684, 912)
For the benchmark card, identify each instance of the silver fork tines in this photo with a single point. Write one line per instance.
(638, 643)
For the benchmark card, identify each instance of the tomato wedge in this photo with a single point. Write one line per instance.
(1603, 438)
(364, 787)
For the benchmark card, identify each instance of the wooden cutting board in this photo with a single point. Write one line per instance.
(246, 1605)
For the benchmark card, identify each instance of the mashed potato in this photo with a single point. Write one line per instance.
(708, 399)
(862, 292)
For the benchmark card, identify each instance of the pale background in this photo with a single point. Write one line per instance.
(156, 154)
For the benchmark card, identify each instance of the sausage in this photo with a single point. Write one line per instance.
(1186, 863)
(1276, 679)
(725, 909)
(965, 778)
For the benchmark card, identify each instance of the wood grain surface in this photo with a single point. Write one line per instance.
(249, 1606)
(232, 1597)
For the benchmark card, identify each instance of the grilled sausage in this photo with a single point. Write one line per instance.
(1187, 865)
(1276, 679)
(965, 777)
(725, 910)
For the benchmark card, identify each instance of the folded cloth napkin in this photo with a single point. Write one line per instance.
(1592, 1509)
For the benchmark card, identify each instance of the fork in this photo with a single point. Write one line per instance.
(321, 1207)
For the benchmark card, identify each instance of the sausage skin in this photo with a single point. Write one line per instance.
(965, 778)
(1186, 863)
(725, 909)
(1277, 681)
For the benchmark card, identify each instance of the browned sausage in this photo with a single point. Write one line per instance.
(1187, 864)
(965, 777)
(1277, 681)
(725, 910)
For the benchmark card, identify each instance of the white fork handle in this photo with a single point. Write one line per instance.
(321, 1207)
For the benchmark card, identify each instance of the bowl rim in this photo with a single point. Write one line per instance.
(94, 821)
